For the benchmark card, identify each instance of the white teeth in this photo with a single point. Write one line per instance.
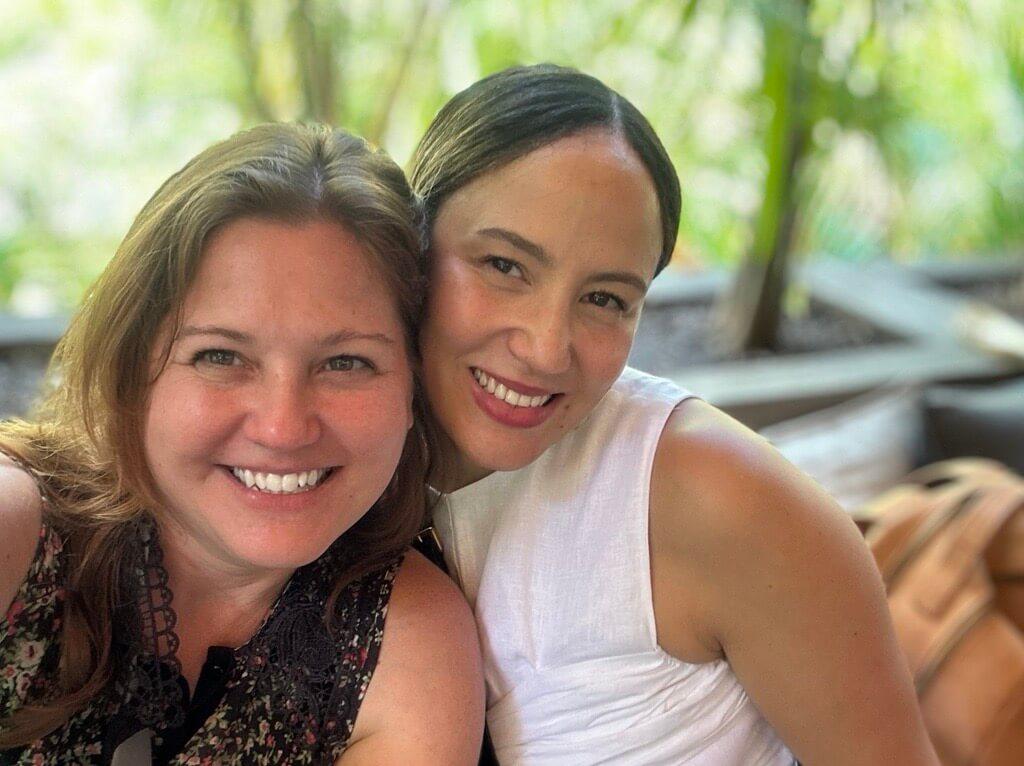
(500, 391)
(279, 484)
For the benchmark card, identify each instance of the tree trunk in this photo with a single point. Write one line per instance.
(313, 37)
(249, 49)
(749, 314)
(382, 117)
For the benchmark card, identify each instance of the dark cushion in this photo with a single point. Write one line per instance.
(977, 421)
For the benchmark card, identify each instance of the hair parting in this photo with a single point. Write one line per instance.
(518, 110)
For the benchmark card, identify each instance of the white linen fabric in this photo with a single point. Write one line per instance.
(554, 560)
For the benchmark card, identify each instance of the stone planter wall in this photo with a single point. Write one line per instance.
(915, 314)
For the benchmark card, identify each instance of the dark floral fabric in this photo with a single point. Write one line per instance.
(291, 697)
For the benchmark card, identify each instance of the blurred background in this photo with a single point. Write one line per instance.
(853, 170)
(849, 275)
(912, 113)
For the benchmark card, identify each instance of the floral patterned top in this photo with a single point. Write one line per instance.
(291, 693)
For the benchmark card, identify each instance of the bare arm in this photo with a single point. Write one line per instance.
(20, 519)
(425, 703)
(753, 561)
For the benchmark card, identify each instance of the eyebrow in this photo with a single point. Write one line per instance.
(518, 242)
(538, 252)
(623, 277)
(243, 338)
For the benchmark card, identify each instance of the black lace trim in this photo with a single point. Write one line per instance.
(311, 676)
(147, 682)
(299, 648)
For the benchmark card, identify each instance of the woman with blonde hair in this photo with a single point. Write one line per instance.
(206, 523)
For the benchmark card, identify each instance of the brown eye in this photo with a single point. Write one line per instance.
(504, 265)
(605, 300)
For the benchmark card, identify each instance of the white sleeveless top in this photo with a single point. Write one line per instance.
(554, 560)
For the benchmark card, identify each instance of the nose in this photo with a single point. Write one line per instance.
(543, 341)
(282, 415)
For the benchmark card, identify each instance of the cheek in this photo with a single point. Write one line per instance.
(373, 424)
(457, 313)
(602, 355)
(183, 420)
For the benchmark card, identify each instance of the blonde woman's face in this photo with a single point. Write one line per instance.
(283, 409)
(538, 274)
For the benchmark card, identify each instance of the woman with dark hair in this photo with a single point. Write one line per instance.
(213, 504)
(652, 582)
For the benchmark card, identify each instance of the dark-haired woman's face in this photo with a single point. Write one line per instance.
(539, 271)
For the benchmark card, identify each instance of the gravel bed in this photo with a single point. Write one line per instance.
(1005, 295)
(677, 335)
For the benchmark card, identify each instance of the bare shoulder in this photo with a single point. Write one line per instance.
(427, 605)
(717, 483)
(20, 519)
(425, 703)
(753, 561)
(729, 516)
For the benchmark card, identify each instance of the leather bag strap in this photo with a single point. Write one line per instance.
(898, 540)
(957, 549)
(974, 470)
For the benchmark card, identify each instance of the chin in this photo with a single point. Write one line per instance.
(281, 552)
(281, 560)
(507, 459)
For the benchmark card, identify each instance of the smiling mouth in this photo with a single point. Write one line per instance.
(280, 483)
(509, 395)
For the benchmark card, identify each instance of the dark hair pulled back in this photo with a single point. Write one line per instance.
(513, 112)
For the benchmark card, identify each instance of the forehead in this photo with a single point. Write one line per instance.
(274, 274)
(587, 190)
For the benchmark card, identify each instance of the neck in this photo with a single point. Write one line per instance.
(229, 600)
(454, 470)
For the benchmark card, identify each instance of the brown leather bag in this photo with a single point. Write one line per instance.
(950, 545)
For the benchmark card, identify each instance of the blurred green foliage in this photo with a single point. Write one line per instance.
(914, 120)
